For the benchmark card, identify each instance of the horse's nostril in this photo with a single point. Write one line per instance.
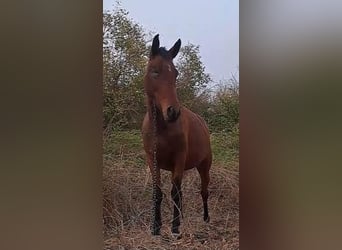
(171, 112)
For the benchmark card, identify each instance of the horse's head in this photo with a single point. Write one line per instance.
(160, 79)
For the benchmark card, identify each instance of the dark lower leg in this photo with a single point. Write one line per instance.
(158, 197)
(204, 194)
(205, 179)
(176, 194)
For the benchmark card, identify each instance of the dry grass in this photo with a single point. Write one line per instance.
(128, 203)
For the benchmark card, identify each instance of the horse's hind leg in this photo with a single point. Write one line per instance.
(203, 170)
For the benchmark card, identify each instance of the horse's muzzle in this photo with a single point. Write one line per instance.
(172, 114)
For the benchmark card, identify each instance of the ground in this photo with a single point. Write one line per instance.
(128, 198)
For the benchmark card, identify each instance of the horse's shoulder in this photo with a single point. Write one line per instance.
(195, 118)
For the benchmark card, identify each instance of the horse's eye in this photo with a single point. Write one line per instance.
(155, 73)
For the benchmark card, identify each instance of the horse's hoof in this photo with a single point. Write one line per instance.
(156, 232)
(175, 230)
(177, 236)
(207, 219)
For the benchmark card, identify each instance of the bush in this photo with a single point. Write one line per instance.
(223, 112)
(125, 52)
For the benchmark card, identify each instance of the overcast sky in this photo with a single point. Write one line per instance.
(213, 25)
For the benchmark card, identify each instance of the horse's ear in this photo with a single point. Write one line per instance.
(155, 45)
(175, 49)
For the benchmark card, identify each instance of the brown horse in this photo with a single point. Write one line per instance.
(175, 138)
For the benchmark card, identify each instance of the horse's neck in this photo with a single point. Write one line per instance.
(160, 123)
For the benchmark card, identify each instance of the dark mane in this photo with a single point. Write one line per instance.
(164, 53)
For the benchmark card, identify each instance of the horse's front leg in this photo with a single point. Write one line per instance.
(176, 194)
(157, 200)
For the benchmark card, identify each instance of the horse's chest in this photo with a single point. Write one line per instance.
(169, 147)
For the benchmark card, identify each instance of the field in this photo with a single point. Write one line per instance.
(127, 202)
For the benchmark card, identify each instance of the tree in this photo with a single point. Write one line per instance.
(125, 53)
(124, 58)
(192, 79)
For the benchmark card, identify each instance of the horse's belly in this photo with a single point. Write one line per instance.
(167, 159)
(198, 151)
